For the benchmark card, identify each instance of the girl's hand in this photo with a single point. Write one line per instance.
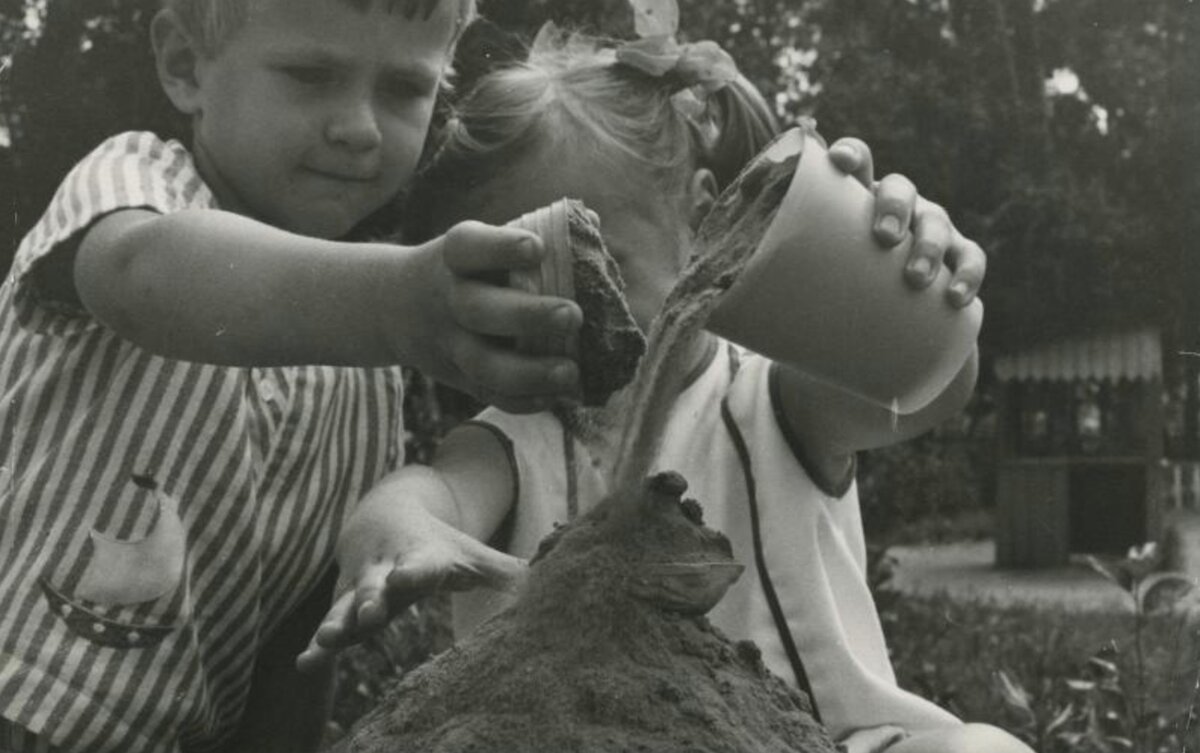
(392, 553)
(898, 208)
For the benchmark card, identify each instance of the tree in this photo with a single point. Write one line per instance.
(87, 75)
(1084, 197)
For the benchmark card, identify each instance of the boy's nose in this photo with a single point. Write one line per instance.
(355, 128)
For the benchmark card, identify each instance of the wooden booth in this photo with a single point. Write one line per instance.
(1080, 448)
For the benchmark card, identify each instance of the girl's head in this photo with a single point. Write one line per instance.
(572, 121)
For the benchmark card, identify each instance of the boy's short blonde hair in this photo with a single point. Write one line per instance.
(213, 22)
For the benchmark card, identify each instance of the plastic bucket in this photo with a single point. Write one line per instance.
(823, 296)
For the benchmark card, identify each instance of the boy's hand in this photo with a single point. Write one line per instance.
(936, 241)
(387, 566)
(469, 319)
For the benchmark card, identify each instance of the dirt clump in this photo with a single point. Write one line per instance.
(578, 265)
(610, 342)
(606, 649)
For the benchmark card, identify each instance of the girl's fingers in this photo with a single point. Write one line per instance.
(370, 605)
(895, 201)
(853, 157)
(338, 623)
(418, 577)
(500, 570)
(932, 235)
(330, 636)
(969, 264)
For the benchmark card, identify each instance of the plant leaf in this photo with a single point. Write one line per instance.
(1013, 693)
(1162, 591)
(1103, 667)
(1113, 573)
(1071, 738)
(1061, 719)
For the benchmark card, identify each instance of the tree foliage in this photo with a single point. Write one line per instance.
(1085, 195)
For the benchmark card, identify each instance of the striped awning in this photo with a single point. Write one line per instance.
(1131, 355)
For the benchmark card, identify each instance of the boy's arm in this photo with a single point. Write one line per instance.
(417, 531)
(216, 287)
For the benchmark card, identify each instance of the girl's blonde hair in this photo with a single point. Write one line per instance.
(576, 94)
(213, 22)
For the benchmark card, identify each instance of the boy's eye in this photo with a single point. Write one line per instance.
(309, 75)
(405, 89)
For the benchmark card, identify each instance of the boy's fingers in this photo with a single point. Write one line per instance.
(895, 199)
(499, 375)
(473, 248)
(487, 309)
(853, 157)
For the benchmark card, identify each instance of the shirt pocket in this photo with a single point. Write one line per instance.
(125, 591)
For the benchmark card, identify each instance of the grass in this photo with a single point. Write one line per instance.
(1076, 668)
(365, 672)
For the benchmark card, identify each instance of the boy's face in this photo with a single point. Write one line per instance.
(314, 114)
(645, 228)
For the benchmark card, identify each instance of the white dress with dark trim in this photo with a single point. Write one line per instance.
(803, 598)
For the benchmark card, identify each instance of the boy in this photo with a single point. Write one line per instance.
(180, 432)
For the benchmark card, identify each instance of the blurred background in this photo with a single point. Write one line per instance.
(1064, 137)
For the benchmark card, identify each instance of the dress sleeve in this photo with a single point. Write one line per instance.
(135, 170)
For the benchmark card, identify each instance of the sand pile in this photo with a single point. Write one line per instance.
(603, 652)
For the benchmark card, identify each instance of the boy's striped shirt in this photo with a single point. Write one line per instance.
(217, 492)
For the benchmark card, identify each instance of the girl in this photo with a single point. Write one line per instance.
(768, 453)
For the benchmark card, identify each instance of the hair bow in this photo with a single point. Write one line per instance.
(702, 64)
(700, 67)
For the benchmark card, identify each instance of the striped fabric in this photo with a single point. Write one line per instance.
(157, 518)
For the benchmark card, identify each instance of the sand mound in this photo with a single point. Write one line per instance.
(602, 652)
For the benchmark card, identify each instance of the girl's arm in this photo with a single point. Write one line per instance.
(217, 287)
(832, 425)
(420, 530)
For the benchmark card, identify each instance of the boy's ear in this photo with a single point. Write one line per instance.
(176, 57)
(702, 194)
